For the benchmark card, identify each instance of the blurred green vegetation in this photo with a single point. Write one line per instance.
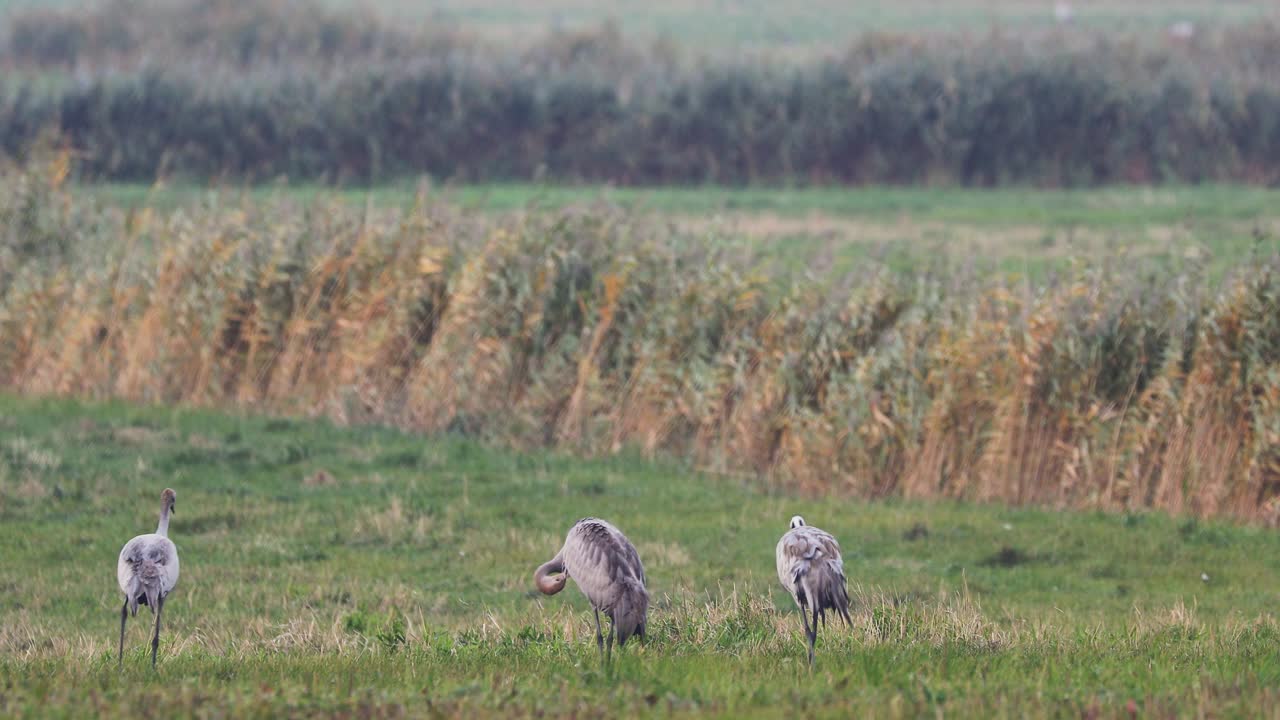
(257, 90)
(332, 572)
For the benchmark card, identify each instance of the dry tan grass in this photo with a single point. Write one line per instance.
(994, 241)
(594, 331)
(669, 554)
(319, 478)
(393, 524)
(690, 620)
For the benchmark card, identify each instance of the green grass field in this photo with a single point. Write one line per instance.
(1116, 207)
(367, 573)
(751, 25)
(1023, 231)
(363, 572)
(820, 24)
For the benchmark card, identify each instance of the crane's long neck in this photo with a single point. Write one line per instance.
(548, 585)
(163, 528)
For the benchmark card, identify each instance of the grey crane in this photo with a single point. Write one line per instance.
(810, 568)
(607, 568)
(148, 571)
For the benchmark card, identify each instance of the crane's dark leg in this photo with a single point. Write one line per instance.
(124, 615)
(599, 635)
(155, 641)
(804, 617)
(813, 636)
(613, 630)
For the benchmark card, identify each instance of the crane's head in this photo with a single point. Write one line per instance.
(169, 500)
(550, 577)
(796, 521)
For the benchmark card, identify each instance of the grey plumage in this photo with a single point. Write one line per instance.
(607, 568)
(150, 569)
(147, 571)
(812, 571)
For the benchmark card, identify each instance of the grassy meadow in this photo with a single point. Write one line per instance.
(1026, 232)
(340, 572)
(994, 299)
(744, 25)
(806, 27)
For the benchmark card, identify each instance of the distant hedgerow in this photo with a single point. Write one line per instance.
(255, 90)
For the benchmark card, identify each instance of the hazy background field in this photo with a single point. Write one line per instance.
(267, 89)
(393, 297)
(820, 24)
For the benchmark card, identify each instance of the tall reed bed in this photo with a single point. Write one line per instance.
(592, 330)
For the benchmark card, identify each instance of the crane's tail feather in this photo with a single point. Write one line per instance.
(133, 598)
(144, 586)
(823, 592)
(153, 597)
(843, 607)
(630, 613)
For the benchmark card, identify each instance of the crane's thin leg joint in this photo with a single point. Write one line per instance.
(810, 633)
(155, 641)
(124, 615)
(599, 634)
(813, 636)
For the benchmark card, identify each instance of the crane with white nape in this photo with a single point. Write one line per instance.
(607, 568)
(812, 571)
(148, 571)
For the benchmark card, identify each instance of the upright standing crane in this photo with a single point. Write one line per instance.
(810, 568)
(148, 571)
